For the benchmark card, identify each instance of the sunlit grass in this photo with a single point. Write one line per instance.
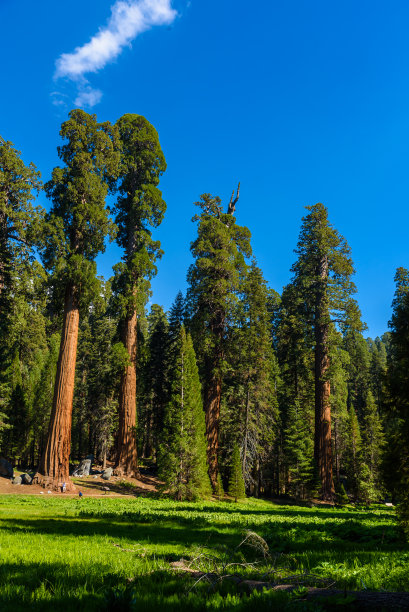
(96, 554)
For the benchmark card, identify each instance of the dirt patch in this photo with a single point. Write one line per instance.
(91, 486)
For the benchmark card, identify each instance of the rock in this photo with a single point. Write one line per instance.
(106, 474)
(83, 469)
(26, 479)
(17, 480)
(6, 469)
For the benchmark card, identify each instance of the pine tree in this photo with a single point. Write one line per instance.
(78, 225)
(139, 207)
(236, 480)
(219, 251)
(182, 454)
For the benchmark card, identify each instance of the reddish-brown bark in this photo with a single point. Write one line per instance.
(212, 416)
(322, 442)
(127, 456)
(53, 470)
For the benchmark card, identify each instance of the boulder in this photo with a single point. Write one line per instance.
(6, 469)
(83, 469)
(106, 474)
(17, 480)
(26, 479)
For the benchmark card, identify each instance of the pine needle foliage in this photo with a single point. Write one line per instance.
(236, 480)
(182, 454)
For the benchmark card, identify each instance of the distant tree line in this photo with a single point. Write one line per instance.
(236, 388)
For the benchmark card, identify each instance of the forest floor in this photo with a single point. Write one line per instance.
(62, 553)
(92, 485)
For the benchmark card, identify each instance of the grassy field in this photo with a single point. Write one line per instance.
(116, 553)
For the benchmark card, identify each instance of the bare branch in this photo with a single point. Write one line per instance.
(233, 201)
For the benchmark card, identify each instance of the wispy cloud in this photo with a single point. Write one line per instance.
(129, 18)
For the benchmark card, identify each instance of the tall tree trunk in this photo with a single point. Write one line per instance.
(322, 441)
(127, 456)
(246, 430)
(54, 464)
(213, 395)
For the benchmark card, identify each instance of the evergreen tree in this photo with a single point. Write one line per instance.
(322, 278)
(296, 395)
(298, 451)
(139, 207)
(182, 454)
(78, 225)
(372, 443)
(219, 251)
(397, 455)
(249, 411)
(156, 380)
(19, 219)
(236, 480)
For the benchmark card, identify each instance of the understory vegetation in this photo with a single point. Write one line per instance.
(117, 554)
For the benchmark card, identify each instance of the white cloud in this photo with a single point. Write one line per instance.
(88, 96)
(129, 18)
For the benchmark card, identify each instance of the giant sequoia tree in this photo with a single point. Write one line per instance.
(219, 251)
(78, 225)
(322, 279)
(139, 208)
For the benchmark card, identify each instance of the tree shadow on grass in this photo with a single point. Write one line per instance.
(285, 537)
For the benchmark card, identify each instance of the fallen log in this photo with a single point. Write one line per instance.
(360, 600)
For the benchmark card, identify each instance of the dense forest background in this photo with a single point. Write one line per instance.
(236, 388)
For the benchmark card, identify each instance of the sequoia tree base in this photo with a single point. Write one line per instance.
(53, 484)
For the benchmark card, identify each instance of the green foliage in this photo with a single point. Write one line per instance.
(219, 251)
(182, 454)
(236, 481)
(19, 219)
(139, 208)
(78, 223)
(219, 491)
(398, 410)
(341, 495)
(250, 407)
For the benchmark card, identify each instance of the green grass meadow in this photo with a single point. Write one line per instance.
(115, 553)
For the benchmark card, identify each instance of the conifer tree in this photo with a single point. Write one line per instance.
(78, 225)
(397, 451)
(372, 441)
(19, 219)
(219, 251)
(298, 450)
(236, 480)
(296, 395)
(249, 412)
(322, 279)
(182, 453)
(139, 207)
(156, 380)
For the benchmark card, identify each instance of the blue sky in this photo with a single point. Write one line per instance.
(300, 101)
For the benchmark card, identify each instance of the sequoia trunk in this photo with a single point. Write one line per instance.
(127, 456)
(212, 416)
(53, 470)
(322, 445)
